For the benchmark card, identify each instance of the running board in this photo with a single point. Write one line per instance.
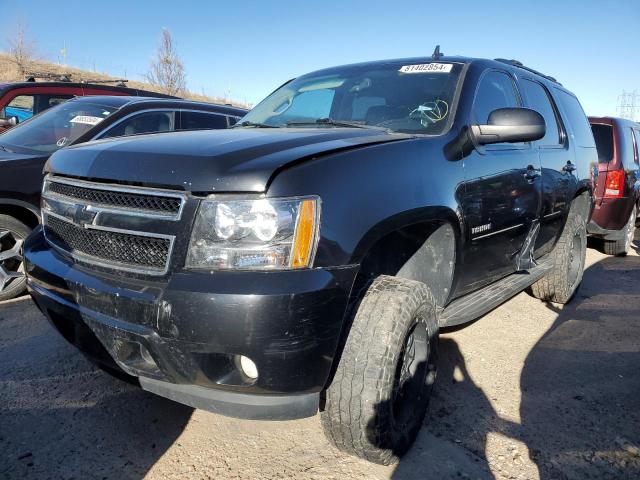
(476, 304)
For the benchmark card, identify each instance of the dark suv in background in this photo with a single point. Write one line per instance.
(25, 149)
(306, 258)
(617, 186)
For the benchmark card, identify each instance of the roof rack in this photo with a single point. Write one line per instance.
(120, 82)
(516, 63)
(67, 77)
(58, 77)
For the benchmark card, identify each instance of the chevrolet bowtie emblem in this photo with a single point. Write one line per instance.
(84, 215)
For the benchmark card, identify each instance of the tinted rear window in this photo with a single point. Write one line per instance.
(577, 119)
(603, 135)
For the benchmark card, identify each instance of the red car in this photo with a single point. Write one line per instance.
(617, 183)
(20, 101)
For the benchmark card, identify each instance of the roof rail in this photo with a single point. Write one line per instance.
(58, 77)
(120, 82)
(516, 63)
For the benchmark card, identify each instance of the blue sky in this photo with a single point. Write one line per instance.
(250, 47)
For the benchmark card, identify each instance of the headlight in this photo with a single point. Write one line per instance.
(274, 233)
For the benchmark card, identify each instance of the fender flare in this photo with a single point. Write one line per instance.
(22, 204)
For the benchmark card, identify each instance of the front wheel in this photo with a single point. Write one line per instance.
(379, 395)
(12, 279)
(562, 281)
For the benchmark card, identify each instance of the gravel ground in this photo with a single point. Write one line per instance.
(529, 391)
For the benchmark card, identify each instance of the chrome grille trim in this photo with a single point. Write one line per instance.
(107, 188)
(121, 222)
(106, 263)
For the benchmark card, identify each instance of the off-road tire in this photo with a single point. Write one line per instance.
(621, 247)
(559, 284)
(396, 316)
(15, 231)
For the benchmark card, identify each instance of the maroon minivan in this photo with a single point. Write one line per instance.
(617, 183)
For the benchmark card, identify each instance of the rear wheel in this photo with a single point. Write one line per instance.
(561, 282)
(622, 246)
(12, 278)
(377, 401)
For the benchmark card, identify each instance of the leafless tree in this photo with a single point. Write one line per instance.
(22, 49)
(167, 70)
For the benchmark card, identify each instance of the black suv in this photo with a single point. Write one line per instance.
(25, 149)
(306, 259)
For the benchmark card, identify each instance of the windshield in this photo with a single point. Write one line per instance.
(410, 98)
(56, 127)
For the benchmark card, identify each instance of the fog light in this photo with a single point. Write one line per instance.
(248, 367)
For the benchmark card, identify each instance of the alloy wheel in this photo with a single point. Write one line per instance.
(631, 230)
(11, 261)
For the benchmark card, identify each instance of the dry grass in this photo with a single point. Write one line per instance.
(9, 73)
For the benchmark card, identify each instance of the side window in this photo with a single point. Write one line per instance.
(538, 99)
(578, 120)
(21, 106)
(47, 101)
(202, 121)
(233, 120)
(496, 90)
(635, 136)
(147, 122)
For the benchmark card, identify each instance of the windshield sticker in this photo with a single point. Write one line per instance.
(86, 120)
(427, 68)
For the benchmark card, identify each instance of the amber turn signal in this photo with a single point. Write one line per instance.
(304, 240)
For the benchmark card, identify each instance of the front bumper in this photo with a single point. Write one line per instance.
(182, 336)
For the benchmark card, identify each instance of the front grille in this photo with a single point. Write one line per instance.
(111, 247)
(127, 200)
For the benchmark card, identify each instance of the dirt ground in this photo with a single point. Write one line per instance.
(529, 391)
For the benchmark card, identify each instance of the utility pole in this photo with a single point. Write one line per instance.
(628, 104)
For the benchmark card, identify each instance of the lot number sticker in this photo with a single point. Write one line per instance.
(86, 120)
(427, 68)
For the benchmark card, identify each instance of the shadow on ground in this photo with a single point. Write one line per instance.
(580, 406)
(62, 418)
(579, 386)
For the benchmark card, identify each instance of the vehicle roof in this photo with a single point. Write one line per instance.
(101, 86)
(606, 120)
(141, 102)
(503, 64)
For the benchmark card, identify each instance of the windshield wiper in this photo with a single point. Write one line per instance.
(335, 123)
(2, 147)
(247, 123)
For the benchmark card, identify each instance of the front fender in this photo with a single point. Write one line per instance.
(371, 191)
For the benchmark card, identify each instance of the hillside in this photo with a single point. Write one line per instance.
(9, 73)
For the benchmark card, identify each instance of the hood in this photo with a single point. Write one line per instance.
(17, 156)
(235, 160)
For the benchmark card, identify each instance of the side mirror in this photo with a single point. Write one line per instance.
(9, 122)
(511, 125)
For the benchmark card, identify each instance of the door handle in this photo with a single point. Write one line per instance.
(531, 174)
(569, 167)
